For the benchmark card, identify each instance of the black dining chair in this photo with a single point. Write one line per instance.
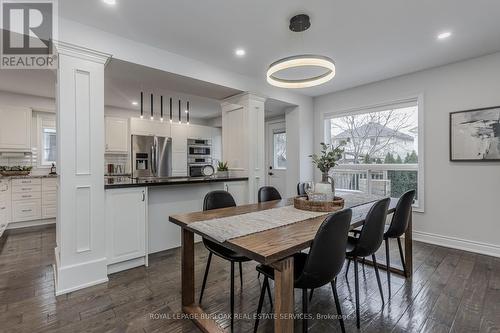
(301, 189)
(315, 269)
(268, 193)
(369, 241)
(397, 228)
(216, 200)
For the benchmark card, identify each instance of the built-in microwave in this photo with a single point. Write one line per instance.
(199, 147)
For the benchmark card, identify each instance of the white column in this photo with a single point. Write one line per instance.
(243, 136)
(80, 252)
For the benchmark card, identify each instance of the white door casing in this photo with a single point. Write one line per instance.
(276, 175)
(81, 250)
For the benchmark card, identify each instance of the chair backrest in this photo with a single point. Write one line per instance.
(301, 189)
(327, 254)
(218, 199)
(372, 233)
(401, 216)
(268, 193)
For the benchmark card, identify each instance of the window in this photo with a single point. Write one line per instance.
(381, 149)
(47, 145)
(279, 149)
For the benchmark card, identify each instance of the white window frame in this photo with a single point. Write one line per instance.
(397, 103)
(40, 119)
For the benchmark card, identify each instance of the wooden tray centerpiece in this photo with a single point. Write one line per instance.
(303, 203)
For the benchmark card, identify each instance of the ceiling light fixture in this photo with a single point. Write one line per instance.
(300, 23)
(109, 2)
(170, 109)
(142, 105)
(161, 108)
(240, 52)
(444, 35)
(187, 112)
(180, 111)
(152, 112)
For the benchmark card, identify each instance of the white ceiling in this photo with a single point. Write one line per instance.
(369, 40)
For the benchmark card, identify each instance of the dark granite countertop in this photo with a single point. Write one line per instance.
(124, 182)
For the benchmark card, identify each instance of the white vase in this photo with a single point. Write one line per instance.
(326, 187)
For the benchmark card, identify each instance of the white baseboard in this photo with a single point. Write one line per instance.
(25, 224)
(82, 275)
(457, 243)
(125, 265)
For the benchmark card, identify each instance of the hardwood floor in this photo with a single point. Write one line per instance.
(451, 291)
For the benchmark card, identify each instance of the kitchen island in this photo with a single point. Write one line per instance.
(137, 212)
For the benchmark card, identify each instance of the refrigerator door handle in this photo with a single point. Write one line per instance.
(153, 160)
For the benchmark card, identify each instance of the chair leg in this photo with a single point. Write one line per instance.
(347, 269)
(388, 265)
(241, 277)
(378, 277)
(269, 293)
(258, 276)
(337, 305)
(232, 295)
(304, 310)
(209, 260)
(261, 301)
(402, 256)
(356, 291)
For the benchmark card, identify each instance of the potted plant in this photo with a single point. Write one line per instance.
(325, 161)
(222, 169)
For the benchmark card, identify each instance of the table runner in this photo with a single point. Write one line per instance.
(223, 229)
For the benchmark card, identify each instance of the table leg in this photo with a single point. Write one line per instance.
(284, 297)
(200, 318)
(409, 247)
(187, 258)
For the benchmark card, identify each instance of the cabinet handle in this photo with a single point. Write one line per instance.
(143, 196)
(26, 210)
(25, 189)
(26, 196)
(2, 208)
(227, 188)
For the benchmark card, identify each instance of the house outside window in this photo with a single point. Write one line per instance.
(382, 155)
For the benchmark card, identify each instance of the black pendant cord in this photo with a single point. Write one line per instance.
(161, 108)
(170, 109)
(180, 119)
(152, 112)
(187, 112)
(142, 104)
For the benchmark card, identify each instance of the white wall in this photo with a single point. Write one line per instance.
(461, 199)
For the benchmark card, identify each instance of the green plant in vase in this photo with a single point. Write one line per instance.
(222, 169)
(325, 161)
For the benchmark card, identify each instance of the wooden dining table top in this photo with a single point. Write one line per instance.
(274, 244)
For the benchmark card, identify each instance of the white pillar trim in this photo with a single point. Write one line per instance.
(83, 53)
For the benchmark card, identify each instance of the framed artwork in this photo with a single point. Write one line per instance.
(475, 135)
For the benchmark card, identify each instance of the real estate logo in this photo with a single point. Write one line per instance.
(29, 29)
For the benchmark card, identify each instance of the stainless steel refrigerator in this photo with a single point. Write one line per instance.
(151, 156)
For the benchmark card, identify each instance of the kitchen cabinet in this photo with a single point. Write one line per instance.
(117, 137)
(239, 191)
(5, 203)
(26, 199)
(140, 126)
(126, 225)
(179, 150)
(15, 129)
(199, 132)
(216, 143)
(49, 198)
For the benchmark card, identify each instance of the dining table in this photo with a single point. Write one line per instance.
(274, 247)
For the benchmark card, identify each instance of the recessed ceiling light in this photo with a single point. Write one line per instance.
(240, 52)
(110, 2)
(444, 35)
(135, 103)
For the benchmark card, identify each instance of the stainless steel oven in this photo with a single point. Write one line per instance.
(196, 165)
(199, 147)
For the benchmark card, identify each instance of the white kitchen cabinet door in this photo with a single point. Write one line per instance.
(15, 129)
(116, 135)
(239, 191)
(126, 224)
(149, 127)
(179, 138)
(179, 164)
(199, 132)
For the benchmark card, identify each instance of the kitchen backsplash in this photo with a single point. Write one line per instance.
(117, 159)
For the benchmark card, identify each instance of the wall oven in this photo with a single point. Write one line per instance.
(199, 147)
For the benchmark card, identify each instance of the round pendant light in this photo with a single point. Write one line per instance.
(300, 23)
